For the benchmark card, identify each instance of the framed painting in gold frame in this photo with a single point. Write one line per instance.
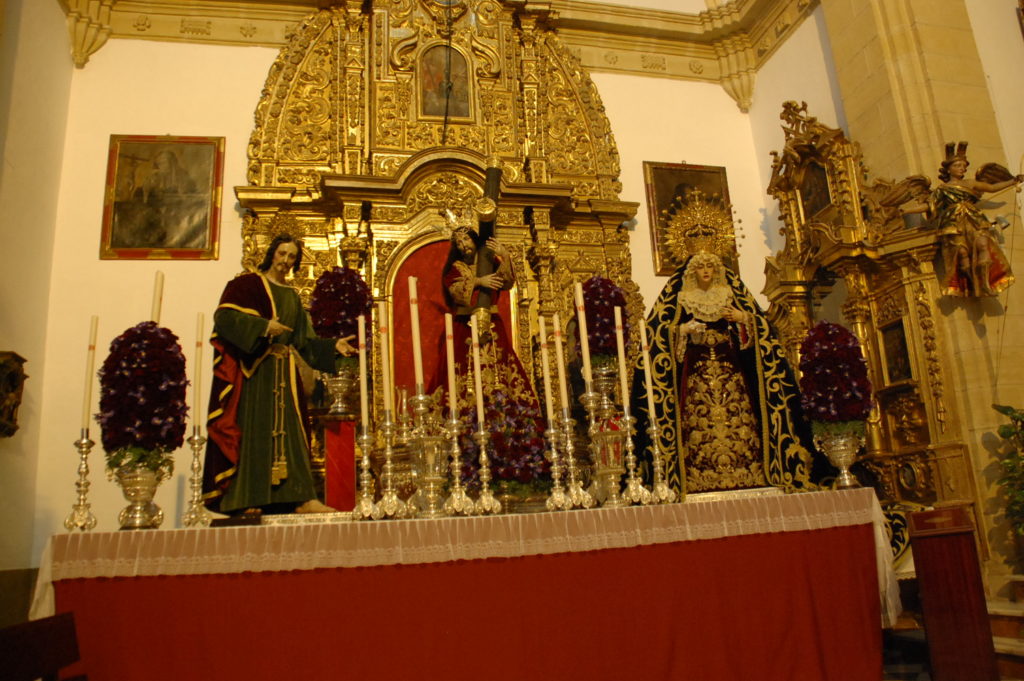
(666, 184)
(162, 198)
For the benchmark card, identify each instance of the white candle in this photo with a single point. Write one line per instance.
(563, 391)
(197, 374)
(621, 345)
(581, 315)
(545, 370)
(158, 296)
(414, 315)
(449, 347)
(476, 373)
(364, 403)
(90, 360)
(647, 372)
(385, 368)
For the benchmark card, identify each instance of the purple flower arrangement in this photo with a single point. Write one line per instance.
(601, 296)
(142, 397)
(834, 385)
(516, 450)
(339, 297)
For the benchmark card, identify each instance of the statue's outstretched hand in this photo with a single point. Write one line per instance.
(343, 346)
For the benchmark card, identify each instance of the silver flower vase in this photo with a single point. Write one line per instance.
(138, 484)
(841, 448)
(341, 386)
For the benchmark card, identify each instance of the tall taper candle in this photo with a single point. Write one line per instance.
(385, 362)
(647, 371)
(414, 315)
(449, 348)
(621, 344)
(476, 372)
(364, 398)
(197, 374)
(563, 391)
(90, 360)
(581, 315)
(545, 368)
(158, 296)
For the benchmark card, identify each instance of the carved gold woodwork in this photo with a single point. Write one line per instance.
(725, 44)
(838, 227)
(351, 149)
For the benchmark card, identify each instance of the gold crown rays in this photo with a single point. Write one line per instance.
(696, 222)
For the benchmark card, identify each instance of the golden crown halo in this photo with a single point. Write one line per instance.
(696, 222)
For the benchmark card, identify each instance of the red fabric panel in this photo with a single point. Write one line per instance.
(425, 264)
(340, 446)
(792, 606)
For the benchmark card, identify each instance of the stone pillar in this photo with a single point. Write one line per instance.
(911, 80)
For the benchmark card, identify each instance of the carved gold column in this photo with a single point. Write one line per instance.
(352, 136)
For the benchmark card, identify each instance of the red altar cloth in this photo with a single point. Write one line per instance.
(791, 604)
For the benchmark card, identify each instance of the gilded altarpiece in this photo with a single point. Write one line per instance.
(837, 227)
(378, 116)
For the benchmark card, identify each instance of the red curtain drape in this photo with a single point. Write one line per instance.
(789, 606)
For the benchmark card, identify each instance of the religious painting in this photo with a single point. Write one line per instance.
(814, 193)
(162, 198)
(669, 187)
(897, 356)
(444, 83)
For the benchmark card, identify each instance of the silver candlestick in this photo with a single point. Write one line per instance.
(390, 505)
(81, 516)
(558, 500)
(486, 502)
(196, 515)
(365, 509)
(578, 496)
(428, 444)
(635, 492)
(661, 493)
(458, 502)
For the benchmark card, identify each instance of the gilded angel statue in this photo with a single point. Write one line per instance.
(975, 265)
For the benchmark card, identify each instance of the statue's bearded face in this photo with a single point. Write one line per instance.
(464, 242)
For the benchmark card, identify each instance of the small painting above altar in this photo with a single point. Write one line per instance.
(670, 186)
(162, 198)
(897, 355)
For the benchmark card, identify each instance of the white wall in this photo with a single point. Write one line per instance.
(681, 121)
(35, 80)
(800, 70)
(133, 87)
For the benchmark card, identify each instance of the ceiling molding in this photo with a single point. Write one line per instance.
(723, 45)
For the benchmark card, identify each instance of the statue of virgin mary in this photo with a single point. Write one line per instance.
(726, 406)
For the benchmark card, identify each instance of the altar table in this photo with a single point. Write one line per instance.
(786, 587)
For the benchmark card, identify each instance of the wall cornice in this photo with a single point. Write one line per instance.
(725, 45)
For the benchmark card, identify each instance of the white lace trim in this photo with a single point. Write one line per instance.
(361, 544)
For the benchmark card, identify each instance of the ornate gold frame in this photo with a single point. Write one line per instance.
(163, 197)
